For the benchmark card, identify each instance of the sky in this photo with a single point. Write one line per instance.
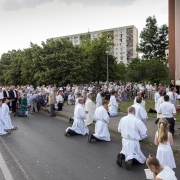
(25, 21)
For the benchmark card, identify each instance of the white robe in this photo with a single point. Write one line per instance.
(143, 103)
(132, 130)
(156, 97)
(90, 107)
(101, 127)
(159, 102)
(113, 106)
(6, 117)
(78, 125)
(140, 112)
(2, 132)
(98, 100)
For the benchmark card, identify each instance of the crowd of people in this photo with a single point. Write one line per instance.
(107, 97)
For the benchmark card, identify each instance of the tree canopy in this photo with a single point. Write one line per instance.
(154, 40)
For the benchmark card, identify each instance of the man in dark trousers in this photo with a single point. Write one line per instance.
(13, 98)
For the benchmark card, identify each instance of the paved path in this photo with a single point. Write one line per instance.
(114, 121)
(42, 152)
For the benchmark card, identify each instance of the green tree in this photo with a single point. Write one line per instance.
(154, 40)
(95, 54)
(121, 72)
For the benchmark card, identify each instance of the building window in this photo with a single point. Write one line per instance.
(121, 49)
(121, 30)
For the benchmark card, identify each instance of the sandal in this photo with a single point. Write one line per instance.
(15, 128)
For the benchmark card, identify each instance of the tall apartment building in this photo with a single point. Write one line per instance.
(125, 40)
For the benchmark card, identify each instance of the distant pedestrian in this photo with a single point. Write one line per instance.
(52, 101)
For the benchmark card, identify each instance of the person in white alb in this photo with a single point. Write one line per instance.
(156, 97)
(168, 112)
(132, 131)
(78, 127)
(149, 90)
(113, 105)
(101, 127)
(90, 108)
(99, 99)
(140, 111)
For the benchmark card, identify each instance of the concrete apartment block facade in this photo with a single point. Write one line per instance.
(125, 41)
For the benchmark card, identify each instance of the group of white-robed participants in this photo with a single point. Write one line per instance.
(84, 116)
(132, 130)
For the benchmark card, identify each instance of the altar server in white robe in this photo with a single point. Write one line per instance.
(99, 99)
(140, 111)
(90, 109)
(101, 127)
(2, 132)
(132, 131)
(156, 97)
(78, 127)
(113, 105)
(6, 116)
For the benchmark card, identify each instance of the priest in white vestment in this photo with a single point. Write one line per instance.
(2, 132)
(132, 131)
(101, 127)
(6, 116)
(113, 105)
(140, 111)
(78, 127)
(99, 99)
(90, 109)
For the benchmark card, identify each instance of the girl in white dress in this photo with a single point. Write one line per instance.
(6, 116)
(164, 140)
(159, 172)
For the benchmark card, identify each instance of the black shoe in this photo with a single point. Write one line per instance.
(15, 115)
(67, 133)
(129, 164)
(120, 158)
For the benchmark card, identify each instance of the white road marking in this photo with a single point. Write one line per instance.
(5, 169)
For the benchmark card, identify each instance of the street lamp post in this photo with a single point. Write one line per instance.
(107, 52)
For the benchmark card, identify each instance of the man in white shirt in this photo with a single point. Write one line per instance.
(140, 111)
(78, 127)
(168, 112)
(149, 90)
(101, 127)
(132, 131)
(71, 99)
(60, 101)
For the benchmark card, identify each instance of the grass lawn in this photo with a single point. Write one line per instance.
(149, 104)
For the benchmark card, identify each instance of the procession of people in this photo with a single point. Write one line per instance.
(93, 103)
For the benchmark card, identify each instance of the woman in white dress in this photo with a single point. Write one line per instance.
(159, 172)
(164, 140)
(6, 116)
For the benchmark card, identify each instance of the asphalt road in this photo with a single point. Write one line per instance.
(38, 150)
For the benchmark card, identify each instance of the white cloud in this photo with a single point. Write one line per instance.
(13, 5)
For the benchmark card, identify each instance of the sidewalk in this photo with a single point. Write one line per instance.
(68, 111)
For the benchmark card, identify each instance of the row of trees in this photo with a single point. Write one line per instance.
(62, 63)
